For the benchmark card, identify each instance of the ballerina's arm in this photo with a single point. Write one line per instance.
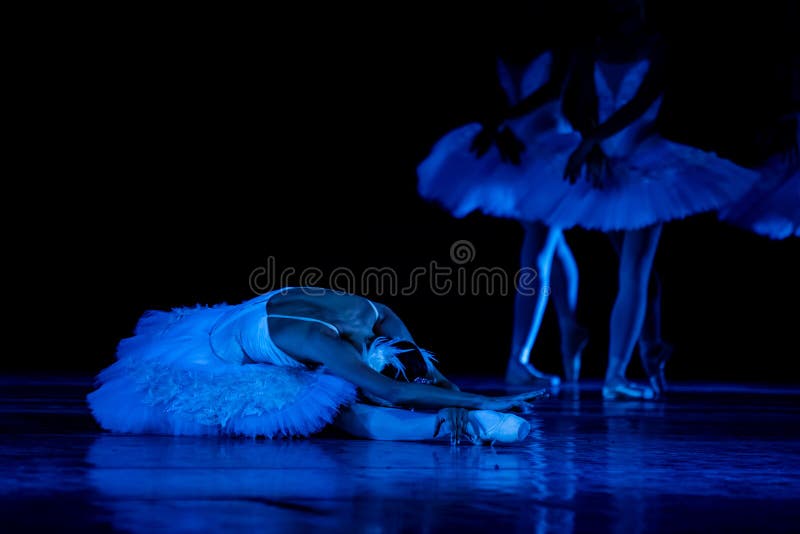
(649, 90)
(549, 91)
(312, 343)
(493, 132)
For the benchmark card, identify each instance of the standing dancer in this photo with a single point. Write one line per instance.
(635, 179)
(464, 173)
(647, 179)
(452, 177)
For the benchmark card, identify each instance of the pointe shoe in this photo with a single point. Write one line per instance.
(490, 426)
(654, 359)
(625, 390)
(572, 345)
(518, 374)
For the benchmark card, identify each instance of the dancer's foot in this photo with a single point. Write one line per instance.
(518, 373)
(654, 358)
(489, 426)
(622, 389)
(573, 341)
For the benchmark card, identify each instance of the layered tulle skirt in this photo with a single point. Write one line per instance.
(772, 207)
(651, 180)
(459, 181)
(168, 380)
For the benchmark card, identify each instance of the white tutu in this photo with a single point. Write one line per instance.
(168, 380)
(772, 207)
(653, 179)
(455, 178)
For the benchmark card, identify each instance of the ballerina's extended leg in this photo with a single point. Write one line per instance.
(394, 424)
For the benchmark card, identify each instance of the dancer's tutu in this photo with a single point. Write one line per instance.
(169, 380)
(657, 181)
(652, 179)
(772, 207)
(455, 178)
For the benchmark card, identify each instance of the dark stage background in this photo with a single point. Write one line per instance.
(190, 147)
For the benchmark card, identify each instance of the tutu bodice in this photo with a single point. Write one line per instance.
(616, 85)
(518, 85)
(241, 334)
(524, 84)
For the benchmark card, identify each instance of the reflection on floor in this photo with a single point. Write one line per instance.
(711, 457)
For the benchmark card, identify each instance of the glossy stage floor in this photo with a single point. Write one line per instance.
(710, 458)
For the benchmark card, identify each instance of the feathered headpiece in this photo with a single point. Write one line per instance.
(383, 351)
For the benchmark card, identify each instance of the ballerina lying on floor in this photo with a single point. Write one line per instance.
(286, 364)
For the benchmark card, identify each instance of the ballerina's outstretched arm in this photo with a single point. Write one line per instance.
(312, 344)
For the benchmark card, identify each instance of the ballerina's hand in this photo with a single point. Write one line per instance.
(457, 420)
(514, 403)
(509, 146)
(483, 141)
(598, 168)
(446, 384)
(576, 160)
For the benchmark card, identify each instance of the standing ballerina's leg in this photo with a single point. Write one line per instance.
(479, 167)
(564, 280)
(636, 261)
(538, 248)
(653, 350)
